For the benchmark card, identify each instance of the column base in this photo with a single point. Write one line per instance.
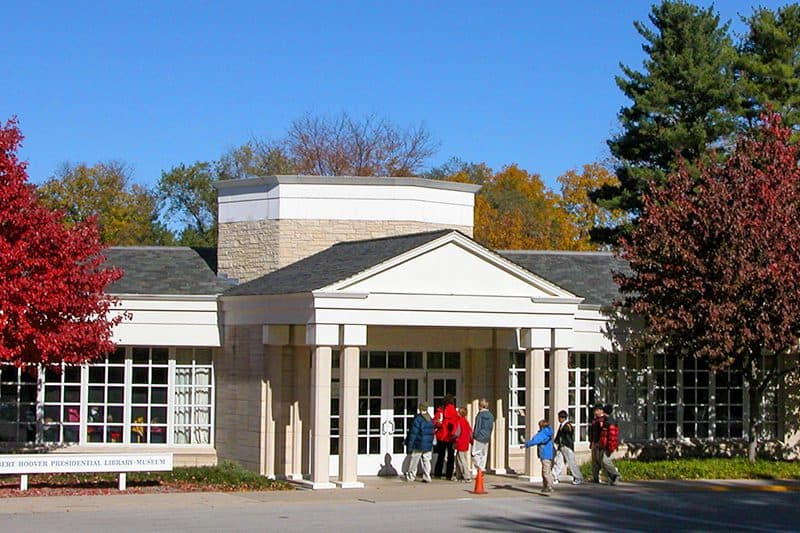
(531, 479)
(314, 485)
(349, 484)
(498, 471)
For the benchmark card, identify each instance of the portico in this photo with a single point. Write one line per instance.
(355, 336)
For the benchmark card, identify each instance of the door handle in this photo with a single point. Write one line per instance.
(387, 428)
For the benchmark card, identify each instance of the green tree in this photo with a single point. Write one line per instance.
(126, 212)
(455, 169)
(186, 193)
(769, 64)
(683, 102)
(252, 159)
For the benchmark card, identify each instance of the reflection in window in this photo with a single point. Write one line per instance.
(122, 399)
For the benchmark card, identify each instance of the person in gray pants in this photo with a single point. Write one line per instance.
(565, 454)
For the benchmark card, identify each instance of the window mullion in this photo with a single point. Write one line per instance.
(127, 396)
(169, 437)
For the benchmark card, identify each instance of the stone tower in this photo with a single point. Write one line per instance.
(269, 222)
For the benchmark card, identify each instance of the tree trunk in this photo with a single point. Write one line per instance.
(754, 422)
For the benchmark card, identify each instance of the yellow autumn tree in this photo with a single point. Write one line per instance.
(515, 210)
(585, 214)
(126, 212)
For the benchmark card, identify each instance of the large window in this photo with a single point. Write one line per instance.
(193, 396)
(729, 408)
(17, 405)
(106, 400)
(518, 396)
(517, 399)
(374, 359)
(581, 392)
(653, 397)
(695, 398)
(62, 405)
(665, 396)
(136, 395)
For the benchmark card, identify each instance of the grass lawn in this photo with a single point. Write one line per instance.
(226, 477)
(633, 470)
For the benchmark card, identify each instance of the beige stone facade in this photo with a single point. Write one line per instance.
(251, 249)
(240, 425)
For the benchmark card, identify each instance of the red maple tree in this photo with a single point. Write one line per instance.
(53, 308)
(715, 262)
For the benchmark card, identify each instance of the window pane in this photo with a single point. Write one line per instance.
(452, 360)
(397, 360)
(116, 395)
(160, 356)
(141, 355)
(414, 360)
(377, 359)
(159, 395)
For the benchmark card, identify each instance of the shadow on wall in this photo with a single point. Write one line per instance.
(387, 470)
(665, 449)
(791, 414)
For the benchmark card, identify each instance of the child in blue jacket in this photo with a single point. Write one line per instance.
(546, 451)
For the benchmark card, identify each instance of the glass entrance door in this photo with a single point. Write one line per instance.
(391, 387)
(386, 408)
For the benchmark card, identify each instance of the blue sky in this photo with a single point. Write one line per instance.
(155, 84)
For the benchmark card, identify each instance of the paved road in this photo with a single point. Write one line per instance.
(509, 507)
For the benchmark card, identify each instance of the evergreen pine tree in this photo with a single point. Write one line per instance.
(769, 64)
(683, 102)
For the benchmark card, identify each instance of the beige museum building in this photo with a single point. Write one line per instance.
(331, 308)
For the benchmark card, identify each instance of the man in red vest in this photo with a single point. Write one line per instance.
(604, 440)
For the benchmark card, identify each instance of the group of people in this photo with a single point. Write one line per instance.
(556, 452)
(453, 437)
(450, 434)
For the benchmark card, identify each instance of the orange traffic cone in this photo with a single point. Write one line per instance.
(479, 483)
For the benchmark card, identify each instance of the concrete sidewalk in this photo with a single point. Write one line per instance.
(377, 490)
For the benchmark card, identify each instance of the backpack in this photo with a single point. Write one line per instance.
(612, 438)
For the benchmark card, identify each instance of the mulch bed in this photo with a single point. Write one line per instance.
(46, 485)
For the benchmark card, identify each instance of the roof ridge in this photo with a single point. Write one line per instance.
(557, 252)
(155, 247)
(401, 236)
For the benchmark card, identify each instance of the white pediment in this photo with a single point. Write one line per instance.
(451, 265)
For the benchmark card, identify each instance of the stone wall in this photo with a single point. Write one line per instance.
(239, 403)
(251, 249)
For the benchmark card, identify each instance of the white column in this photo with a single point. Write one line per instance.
(534, 408)
(321, 417)
(271, 405)
(348, 418)
(499, 447)
(275, 338)
(559, 384)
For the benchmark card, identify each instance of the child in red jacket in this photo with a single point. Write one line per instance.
(463, 440)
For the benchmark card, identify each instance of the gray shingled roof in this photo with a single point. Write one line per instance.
(340, 261)
(584, 274)
(165, 270)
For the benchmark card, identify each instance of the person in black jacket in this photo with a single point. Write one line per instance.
(565, 454)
